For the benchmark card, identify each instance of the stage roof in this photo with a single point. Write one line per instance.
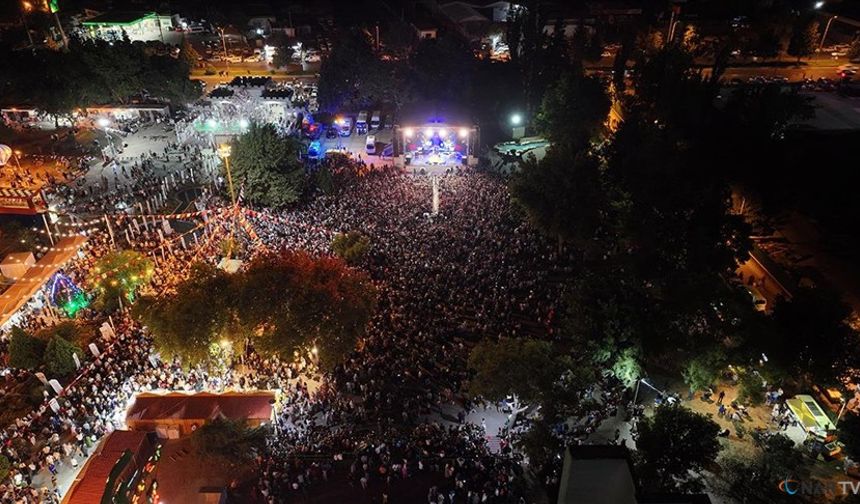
(28, 285)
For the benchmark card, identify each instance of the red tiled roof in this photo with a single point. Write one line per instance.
(203, 406)
(89, 486)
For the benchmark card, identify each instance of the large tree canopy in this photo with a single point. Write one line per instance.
(671, 444)
(267, 166)
(293, 300)
(187, 323)
(283, 303)
(525, 367)
(95, 72)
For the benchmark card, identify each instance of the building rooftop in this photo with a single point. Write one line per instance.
(202, 406)
(119, 17)
(90, 484)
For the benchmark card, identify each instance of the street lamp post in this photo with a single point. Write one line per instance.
(17, 153)
(826, 29)
(26, 7)
(103, 123)
(519, 130)
(224, 45)
(224, 151)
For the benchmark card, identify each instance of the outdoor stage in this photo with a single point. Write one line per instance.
(432, 139)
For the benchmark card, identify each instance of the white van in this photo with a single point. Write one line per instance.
(370, 144)
(345, 126)
(375, 120)
(361, 123)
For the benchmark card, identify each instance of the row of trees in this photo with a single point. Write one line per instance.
(281, 303)
(52, 348)
(95, 72)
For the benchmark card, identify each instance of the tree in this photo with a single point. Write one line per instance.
(672, 443)
(563, 195)
(573, 110)
(751, 389)
(231, 440)
(804, 39)
(854, 50)
(188, 322)
(188, 55)
(267, 166)
(352, 247)
(442, 68)
(526, 368)
(68, 330)
(811, 336)
(116, 277)
(25, 351)
(691, 40)
(849, 433)
(294, 301)
(703, 369)
(353, 77)
(751, 477)
(58, 356)
(283, 303)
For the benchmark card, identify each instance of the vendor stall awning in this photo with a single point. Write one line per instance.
(810, 414)
(28, 285)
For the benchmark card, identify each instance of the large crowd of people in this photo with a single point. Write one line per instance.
(375, 423)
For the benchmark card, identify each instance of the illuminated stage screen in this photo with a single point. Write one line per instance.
(436, 145)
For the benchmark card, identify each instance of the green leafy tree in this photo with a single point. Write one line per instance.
(562, 195)
(116, 277)
(703, 369)
(25, 351)
(188, 322)
(524, 367)
(68, 330)
(294, 301)
(231, 440)
(672, 443)
(751, 389)
(285, 302)
(352, 247)
(849, 433)
(811, 336)
(804, 40)
(750, 477)
(58, 356)
(627, 367)
(573, 110)
(352, 76)
(267, 166)
(188, 55)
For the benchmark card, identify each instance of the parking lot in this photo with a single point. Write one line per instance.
(356, 144)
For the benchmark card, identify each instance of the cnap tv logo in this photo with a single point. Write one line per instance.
(791, 486)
